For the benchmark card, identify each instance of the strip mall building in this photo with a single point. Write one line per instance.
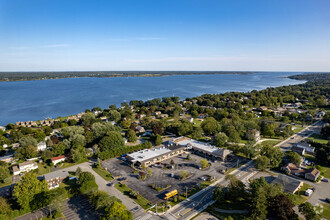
(174, 148)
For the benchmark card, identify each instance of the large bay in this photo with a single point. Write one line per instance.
(37, 100)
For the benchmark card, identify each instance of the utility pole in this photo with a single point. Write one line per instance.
(186, 192)
(156, 209)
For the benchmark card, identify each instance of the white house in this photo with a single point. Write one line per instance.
(41, 146)
(59, 159)
(24, 167)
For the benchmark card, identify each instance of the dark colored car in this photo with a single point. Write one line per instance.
(327, 200)
(324, 180)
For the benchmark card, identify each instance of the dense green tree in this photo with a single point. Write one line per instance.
(46, 155)
(26, 152)
(4, 174)
(220, 140)
(113, 140)
(39, 136)
(69, 132)
(131, 136)
(261, 163)
(294, 157)
(197, 133)
(78, 154)
(158, 140)
(87, 183)
(268, 130)
(274, 154)
(308, 211)
(204, 163)
(185, 128)
(26, 189)
(117, 211)
(27, 141)
(259, 205)
(157, 127)
(210, 126)
(114, 115)
(57, 199)
(58, 149)
(5, 206)
(102, 200)
(282, 207)
(88, 119)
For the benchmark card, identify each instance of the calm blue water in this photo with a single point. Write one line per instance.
(37, 100)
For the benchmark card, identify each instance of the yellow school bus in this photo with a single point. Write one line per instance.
(170, 194)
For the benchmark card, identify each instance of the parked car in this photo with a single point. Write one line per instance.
(327, 200)
(324, 180)
(110, 184)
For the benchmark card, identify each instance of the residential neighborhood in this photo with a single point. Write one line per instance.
(181, 159)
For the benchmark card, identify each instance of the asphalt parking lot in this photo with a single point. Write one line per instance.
(162, 177)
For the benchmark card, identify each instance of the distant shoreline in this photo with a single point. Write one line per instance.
(28, 76)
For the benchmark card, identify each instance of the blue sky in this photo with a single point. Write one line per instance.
(262, 35)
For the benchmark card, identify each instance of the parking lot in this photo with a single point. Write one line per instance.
(162, 177)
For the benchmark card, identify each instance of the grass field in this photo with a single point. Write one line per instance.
(326, 211)
(43, 168)
(299, 196)
(270, 142)
(103, 173)
(317, 138)
(144, 203)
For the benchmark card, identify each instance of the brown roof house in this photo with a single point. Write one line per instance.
(312, 174)
(309, 174)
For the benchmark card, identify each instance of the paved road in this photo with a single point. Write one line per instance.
(138, 211)
(303, 134)
(199, 201)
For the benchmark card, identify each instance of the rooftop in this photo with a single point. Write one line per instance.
(58, 157)
(143, 155)
(200, 145)
(289, 184)
(59, 173)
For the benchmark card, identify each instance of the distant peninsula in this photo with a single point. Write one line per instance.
(25, 76)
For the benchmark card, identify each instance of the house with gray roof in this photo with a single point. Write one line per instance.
(54, 179)
(290, 185)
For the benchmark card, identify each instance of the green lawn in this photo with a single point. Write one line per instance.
(103, 173)
(43, 168)
(325, 171)
(67, 164)
(326, 211)
(6, 184)
(317, 138)
(299, 197)
(197, 122)
(144, 203)
(270, 142)
(298, 129)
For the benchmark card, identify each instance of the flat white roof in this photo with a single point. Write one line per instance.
(196, 144)
(143, 155)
